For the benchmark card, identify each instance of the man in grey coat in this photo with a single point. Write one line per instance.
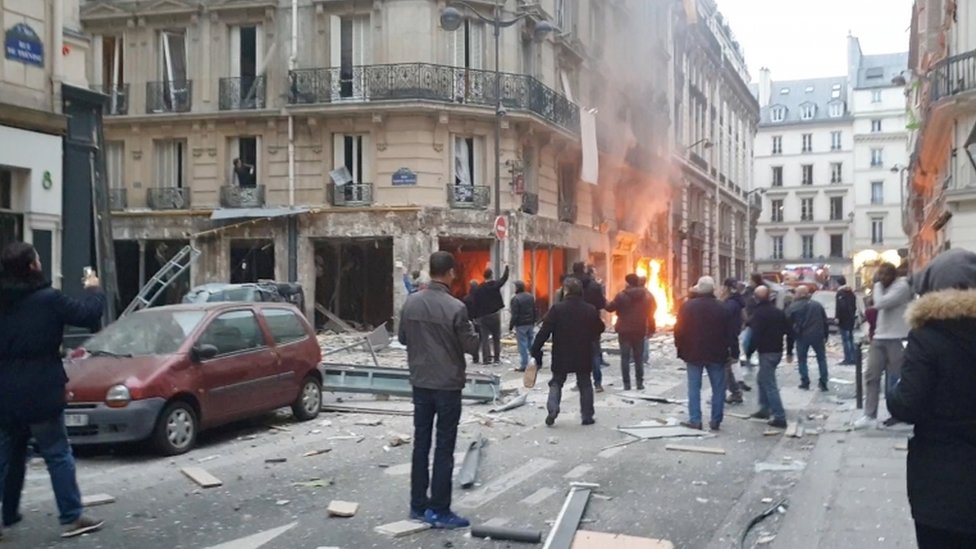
(435, 328)
(809, 321)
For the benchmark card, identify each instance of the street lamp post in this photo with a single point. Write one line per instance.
(750, 266)
(451, 20)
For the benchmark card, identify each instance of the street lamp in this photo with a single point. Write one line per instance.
(749, 239)
(451, 20)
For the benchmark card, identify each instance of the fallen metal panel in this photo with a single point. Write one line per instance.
(564, 530)
(348, 378)
(472, 460)
(665, 431)
(254, 213)
(511, 404)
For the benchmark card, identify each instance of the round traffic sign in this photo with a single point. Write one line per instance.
(501, 227)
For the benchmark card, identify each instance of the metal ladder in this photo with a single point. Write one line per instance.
(163, 278)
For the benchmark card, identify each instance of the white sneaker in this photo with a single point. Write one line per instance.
(865, 422)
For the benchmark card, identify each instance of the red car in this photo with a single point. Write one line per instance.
(168, 373)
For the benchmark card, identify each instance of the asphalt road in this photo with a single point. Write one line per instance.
(691, 499)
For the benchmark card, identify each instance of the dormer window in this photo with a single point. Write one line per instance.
(808, 89)
(777, 114)
(808, 111)
(836, 109)
(784, 91)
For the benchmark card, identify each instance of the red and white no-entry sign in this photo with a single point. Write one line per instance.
(501, 227)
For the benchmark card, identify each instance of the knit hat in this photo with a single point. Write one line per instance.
(705, 286)
(955, 268)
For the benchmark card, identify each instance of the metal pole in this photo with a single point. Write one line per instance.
(748, 235)
(497, 264)
(858, 369)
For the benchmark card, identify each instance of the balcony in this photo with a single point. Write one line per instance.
(427, 82)
(169, 96)
(118, 199)
(233, 196)
(168, 198)
(242, 93)
(567, 212)
(118, 99)
(469, 197)
(530, 203)
(953, 75)
(351, 195)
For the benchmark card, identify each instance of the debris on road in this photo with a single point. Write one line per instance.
(499, 533)
(399, 439)
(772, 432)
(586, 539)
(208, 458)
(511, 404)
(369, 422)
(795, 429)
(738, 415)
(280, 428)
(96, 499)
(660, 431)
(313, 483)
(343, 509)
(311, 453)
(402, 528)
(780, 506)
(402, 409)
(651, 398)
(282, 502)
(562, 534)
(698, 449)
(200, 476)
(276, 460)
(472, 460)
(790, 465)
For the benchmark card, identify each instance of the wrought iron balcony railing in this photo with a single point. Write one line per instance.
(233, 196)
(168, 198)
(530, 203)
(118, 98)
(470, 197)
(242, 93)
(118, 199)
(567, 212)
(169, 96)
(351, 195)
(953, 75)
(423, 81)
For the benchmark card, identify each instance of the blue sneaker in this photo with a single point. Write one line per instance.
(447, 520)
(417, 515)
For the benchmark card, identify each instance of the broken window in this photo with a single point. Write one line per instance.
(467, 168)
(245, 61)
(352, 151)
(353, 279)
(252, 260)
(113, 73)
(170, 157)
(350, 50)
(176, 89)
(244, 166)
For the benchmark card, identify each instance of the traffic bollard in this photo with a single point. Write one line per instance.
(858, 378)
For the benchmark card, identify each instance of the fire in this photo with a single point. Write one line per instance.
(651, 268)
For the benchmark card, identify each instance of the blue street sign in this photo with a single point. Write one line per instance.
(404, 176)
(22, 44)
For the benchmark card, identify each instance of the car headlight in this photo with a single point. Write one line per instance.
(118, 396)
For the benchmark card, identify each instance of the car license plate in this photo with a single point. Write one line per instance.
(75, 420)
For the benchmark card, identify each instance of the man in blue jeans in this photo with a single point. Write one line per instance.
(769, 325)
(809, 322)
(434, 327)
(32, 381)
(845, 311)
(523, 317)
(705, 339)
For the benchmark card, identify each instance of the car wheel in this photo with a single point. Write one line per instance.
(176, 429)
(309, 401)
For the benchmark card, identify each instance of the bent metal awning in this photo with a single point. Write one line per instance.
(254, 213)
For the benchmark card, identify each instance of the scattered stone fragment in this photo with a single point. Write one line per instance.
(96, 499)
(339, 508)
(698, 449)
(282, 502)
(200, 476)
(311, 453)
(370, 422)
(402, 528)
(276, 460)
(399, 439)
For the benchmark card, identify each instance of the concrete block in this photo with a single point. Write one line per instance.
(339, 508)
(402, 528)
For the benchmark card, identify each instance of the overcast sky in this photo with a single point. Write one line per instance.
(808, 38)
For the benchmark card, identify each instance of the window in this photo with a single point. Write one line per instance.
(233, 332)
(777, 144)
(6, 189)
(877, 192)
(808, 111)
(776, 211)
(807, 174)
(807, 142)
(836, 245)
(285, 325)
(877, 231)
(877, 158)
(835, 141)
(114, 164)
(777, 247)
(350, 47)
(876, 96)
(808, 89)
(245, 52)
(876, 125)
(113, 73)
(173, 70)
(777, 176)
(170, 159)
(352, 151)
(807, 241)
(836, 208)
(806, 209)
(873, 73)
(468, 166)
(836, 172)
(784, 91)
(245, 172)
(835, 91)
(777, 114)
(836, 109)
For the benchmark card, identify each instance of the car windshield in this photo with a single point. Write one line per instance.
(149, 332)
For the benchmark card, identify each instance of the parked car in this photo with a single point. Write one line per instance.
(262, 291)
(167, 373)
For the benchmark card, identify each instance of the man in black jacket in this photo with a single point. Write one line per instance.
(595, 295)
(845, 310)
(634, 306)
(435, 328)
(489, 304)
(575, 326)
(769, 325)
(703, 337)
(32, 379)
(522, 311)
(809, 321)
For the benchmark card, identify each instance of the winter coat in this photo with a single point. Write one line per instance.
(32, 320)
(935, 392)
(808, 319)
(488, 297)
(575, 326)
(593, 292)
(769, 325)
(891, 303)
(845, 309)
(469, 305)
(435, 328)
(635, 309)
(735, 304)
(522, 310)
(704, 332)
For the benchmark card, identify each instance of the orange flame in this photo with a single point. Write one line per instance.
(651, 268)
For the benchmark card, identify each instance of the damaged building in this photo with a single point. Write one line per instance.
(339, 145)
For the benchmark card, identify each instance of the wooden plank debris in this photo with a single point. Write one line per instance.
(200, 476)
(332, 316)
(600, 540)
(338, 508)
(343, 408)
(698, 449)
(402, 528)
(311, 453)
(96, 499)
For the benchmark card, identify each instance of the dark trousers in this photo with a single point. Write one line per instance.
(730, 382)
(631, 348)
(491, 326)
(936, 538)
(16, 471)
(446, 406)
(585, 394)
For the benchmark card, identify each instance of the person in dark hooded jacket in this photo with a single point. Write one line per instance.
(845, 310)
(735, 305)
(634, 306)
(32, 378)
(595, 295)
(935, 392)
